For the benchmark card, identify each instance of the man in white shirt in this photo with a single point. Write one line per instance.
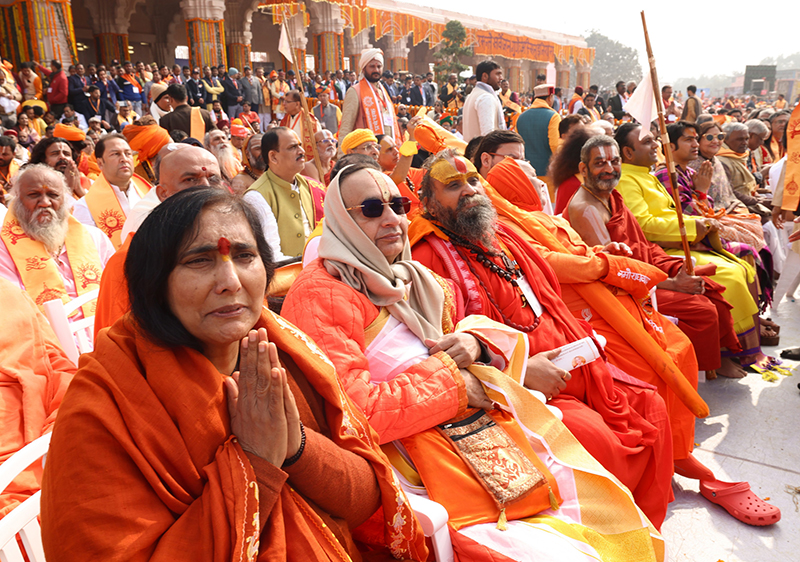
(71, 115)
(115, 191)
(282, 197)
(483, 110)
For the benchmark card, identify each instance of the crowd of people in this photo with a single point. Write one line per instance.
(321, 295)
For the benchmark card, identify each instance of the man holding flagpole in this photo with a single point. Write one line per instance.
(367, 105)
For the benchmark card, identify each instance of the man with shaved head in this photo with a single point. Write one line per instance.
(181, 167)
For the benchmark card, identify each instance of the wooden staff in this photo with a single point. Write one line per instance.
(308, 128)
(662, 126)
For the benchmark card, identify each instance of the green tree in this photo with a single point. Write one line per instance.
(454, 36)
(613, 61)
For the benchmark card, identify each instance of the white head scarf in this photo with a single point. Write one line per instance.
(367, 55)
(349, 255)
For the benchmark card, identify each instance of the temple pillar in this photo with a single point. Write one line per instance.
(354, 45)
(238, 49)
(562, 75)
(238, 36)
(205, 31)
(110, 23)
(537, 68)
(584, 76)
(397, 55)
(514, 75)
(327, 30)
(37, 30)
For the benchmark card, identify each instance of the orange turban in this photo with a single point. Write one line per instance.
(68, 132)
(510, 181)
(147, 140)
(434, 138)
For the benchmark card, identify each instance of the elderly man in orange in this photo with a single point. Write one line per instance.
(33, 380)
(205, 427)
(43, 249)
(620, 420)
(116, 190)
(406, 355)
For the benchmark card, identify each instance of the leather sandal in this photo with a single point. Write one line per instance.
(738, 499)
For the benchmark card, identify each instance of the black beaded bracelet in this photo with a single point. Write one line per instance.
(296, 457)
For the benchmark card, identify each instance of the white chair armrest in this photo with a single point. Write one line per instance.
(22, 459)
(431, 515)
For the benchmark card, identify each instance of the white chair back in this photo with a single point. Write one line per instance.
(23, 521)
(74, 336)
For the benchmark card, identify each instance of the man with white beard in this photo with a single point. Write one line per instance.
(43, 249)
(218, 144)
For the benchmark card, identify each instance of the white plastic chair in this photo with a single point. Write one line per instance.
(433, 517)
(73, 336)
(23, 519)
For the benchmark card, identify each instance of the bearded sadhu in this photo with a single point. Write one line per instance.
(44, 249)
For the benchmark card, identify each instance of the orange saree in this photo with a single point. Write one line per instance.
(143, 465)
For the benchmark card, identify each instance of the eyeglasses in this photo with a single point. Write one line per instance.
(327, 141)
(505, 155)
(373, 208)
(718, 136)
(369, 146)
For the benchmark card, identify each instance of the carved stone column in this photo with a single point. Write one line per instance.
(562, 75)
(354, 45)
(37, 30)
(327, 30)
(397, 55)
(205, 31)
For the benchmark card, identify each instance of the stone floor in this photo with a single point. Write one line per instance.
(752, 434)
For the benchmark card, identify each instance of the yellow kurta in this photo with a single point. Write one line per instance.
(654, 209)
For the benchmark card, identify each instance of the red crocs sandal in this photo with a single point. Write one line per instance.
(741, 502)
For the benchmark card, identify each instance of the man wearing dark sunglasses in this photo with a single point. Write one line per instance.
(288, 204)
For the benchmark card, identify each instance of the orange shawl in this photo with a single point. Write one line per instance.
(143, 465)
(34, 374)
(372, 105)
(791, 184)
(603, 301)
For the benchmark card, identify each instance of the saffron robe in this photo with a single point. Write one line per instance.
(706, 319)
(425, 390)
(621, 421)
(157, 475)
(34, 375)
(587, 265)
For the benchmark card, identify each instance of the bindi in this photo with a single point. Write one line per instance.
(224, 247)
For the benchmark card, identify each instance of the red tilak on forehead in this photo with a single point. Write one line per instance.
(203, 168)
(224, 246)
(460, 166)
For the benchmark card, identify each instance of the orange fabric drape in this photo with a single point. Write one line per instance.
(159, 415)
(608, 307)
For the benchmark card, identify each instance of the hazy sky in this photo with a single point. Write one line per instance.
(683, 47)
